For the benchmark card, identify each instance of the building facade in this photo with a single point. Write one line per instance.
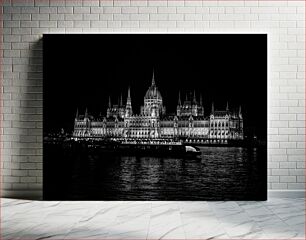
(153, 122)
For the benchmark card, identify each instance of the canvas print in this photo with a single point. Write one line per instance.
(155, 116)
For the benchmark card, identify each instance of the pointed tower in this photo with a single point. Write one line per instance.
(109, 109)
(121, 108)
(194, 105)
(77, 114)
(227, 108)
(179, 105)
(128, 108)
(86, 114)
(240, 113)
(153, 79)
(194, 97)
(200, 107)
(212, 108)
(179, 99)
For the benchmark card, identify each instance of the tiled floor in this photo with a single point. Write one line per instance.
(273, 219)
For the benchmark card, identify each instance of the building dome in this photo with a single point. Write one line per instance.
(153, 92)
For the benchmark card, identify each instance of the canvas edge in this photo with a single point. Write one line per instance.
(38, 194)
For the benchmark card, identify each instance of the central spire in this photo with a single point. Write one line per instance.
(153, 79)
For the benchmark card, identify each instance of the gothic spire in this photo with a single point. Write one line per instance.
(128, 107)
(227, 108)
(121, 102)
(86, 113)
(201, 102)
(153, 79)
(77, 114)
(240, 113)
(194, 97)
(109, 102)
(179, 99)
(212, 108)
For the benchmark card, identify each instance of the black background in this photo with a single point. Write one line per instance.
(83, 70)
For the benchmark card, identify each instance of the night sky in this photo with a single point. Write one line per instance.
(82, 70)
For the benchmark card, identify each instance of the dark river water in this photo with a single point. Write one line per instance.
(221, 173)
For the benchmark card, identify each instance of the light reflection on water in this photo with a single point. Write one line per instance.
(220, 173)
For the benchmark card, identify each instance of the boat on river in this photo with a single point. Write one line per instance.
(147, 147)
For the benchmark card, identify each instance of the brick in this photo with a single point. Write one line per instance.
(163, 10)
(130, 24)
(19, 173)
(96, 10)
(273, 179)
(48, 24)
(30, 24)
(21, 31)
(28, 179)
(189, 3)
(296, 172)
(280, 172)
(73, 16)
(64, 10)
(10, 179)
(97, 3)
(42, 3)
(74, 3)
(287, 165)
(129, 10)
(81, 24)
(57, 3)
(222, 24)
(189, 10)
(176, 17)
(159, 17)
(288, 179)
(29, 10)
(148, 24)
(105, 17)
(167, 24)
(81, 10)
(279, 186)
(138, 3)
(193, 17)
(98, 24)
(296, 186)
(147, 9)
(287, 145)
(57, 17)
(297, 138)
(91, 16)
(300, 179)
(139, 17)
(158, 3)
(112, 10)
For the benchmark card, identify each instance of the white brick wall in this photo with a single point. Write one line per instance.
(24, 22)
